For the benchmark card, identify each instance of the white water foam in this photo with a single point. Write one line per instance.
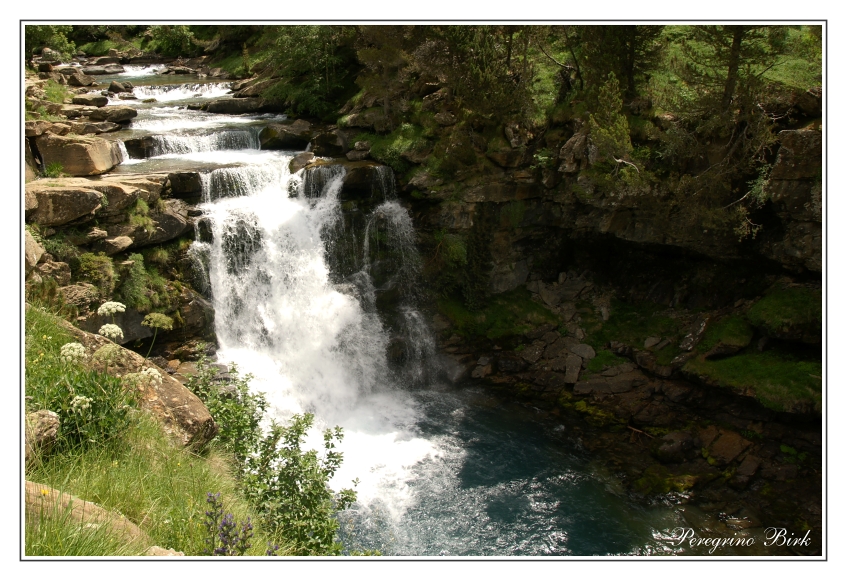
(167, 93)
(310, 346)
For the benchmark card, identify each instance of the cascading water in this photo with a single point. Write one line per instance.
(320, 305)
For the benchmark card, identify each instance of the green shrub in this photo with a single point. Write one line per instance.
(53, 170)
(291, 490)
(236, 411)
(99, 270)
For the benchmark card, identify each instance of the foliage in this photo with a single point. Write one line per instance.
(224, 537)
(139, 216)
(389, 149)
(460, 265)
(38, 36)
(99, 270)
(314, 65)
(732, 330)
(143, 287)
(290, 487)
(92, 406)
(144, 477)
(174, 40)
(236, 411)
(56, 93)
(780, 380)
(45, 295)
(609, 127)
(53, 170)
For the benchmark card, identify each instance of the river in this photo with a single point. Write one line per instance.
(442, 470)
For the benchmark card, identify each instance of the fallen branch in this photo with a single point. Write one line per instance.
(626, 162)
(636, 430)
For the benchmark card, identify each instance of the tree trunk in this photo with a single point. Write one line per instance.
(738, 33)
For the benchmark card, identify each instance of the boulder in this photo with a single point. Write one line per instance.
(91, 99)
(94, 70)
(116, 87)
(330, 143)
(232, 106)
(114, 113)
(57, 205)
(33, 251)
(42, 427)
(186, 185)
(157, 551)
(295, 135)
(114, 244)
(574, 154)
(58, 271)
(81, 80)
(357, 155)
(369, 118)
(676, 448)
(181, 413)
(79, 155)
(140, 147)
(36, 128)
(300, 161)
(84, 128)
(583, 350)
(727, 447)
(255, 87)
(82, 295)
(43, 501)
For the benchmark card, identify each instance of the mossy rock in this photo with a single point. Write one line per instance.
(659, 480)
(778, 379)
(789, 312)
(727, 336)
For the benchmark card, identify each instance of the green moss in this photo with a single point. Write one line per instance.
(779, 380)
(627, 323)
(732, 331)
(659, 480)
(593, 414)
(507, 314)
(788, 309)
(604, 359)
(388, 149)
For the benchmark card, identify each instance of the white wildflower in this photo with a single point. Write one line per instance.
(72, 352)
(80, 403)
(152, 375)
(112, 332)
(110, 308)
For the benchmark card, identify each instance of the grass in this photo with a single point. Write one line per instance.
(56, 93)
(136, 471)
(507, 314)
(779, 380)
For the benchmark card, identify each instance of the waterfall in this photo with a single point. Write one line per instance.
(247, 138)
(165, 93)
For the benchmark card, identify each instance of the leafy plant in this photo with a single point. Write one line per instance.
(53, 170)
(225, 538)
(290, 487)
(237, 412)
(92, 406)
(99, 270)
(157, 321)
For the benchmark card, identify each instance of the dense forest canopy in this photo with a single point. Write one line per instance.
(695, 107)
